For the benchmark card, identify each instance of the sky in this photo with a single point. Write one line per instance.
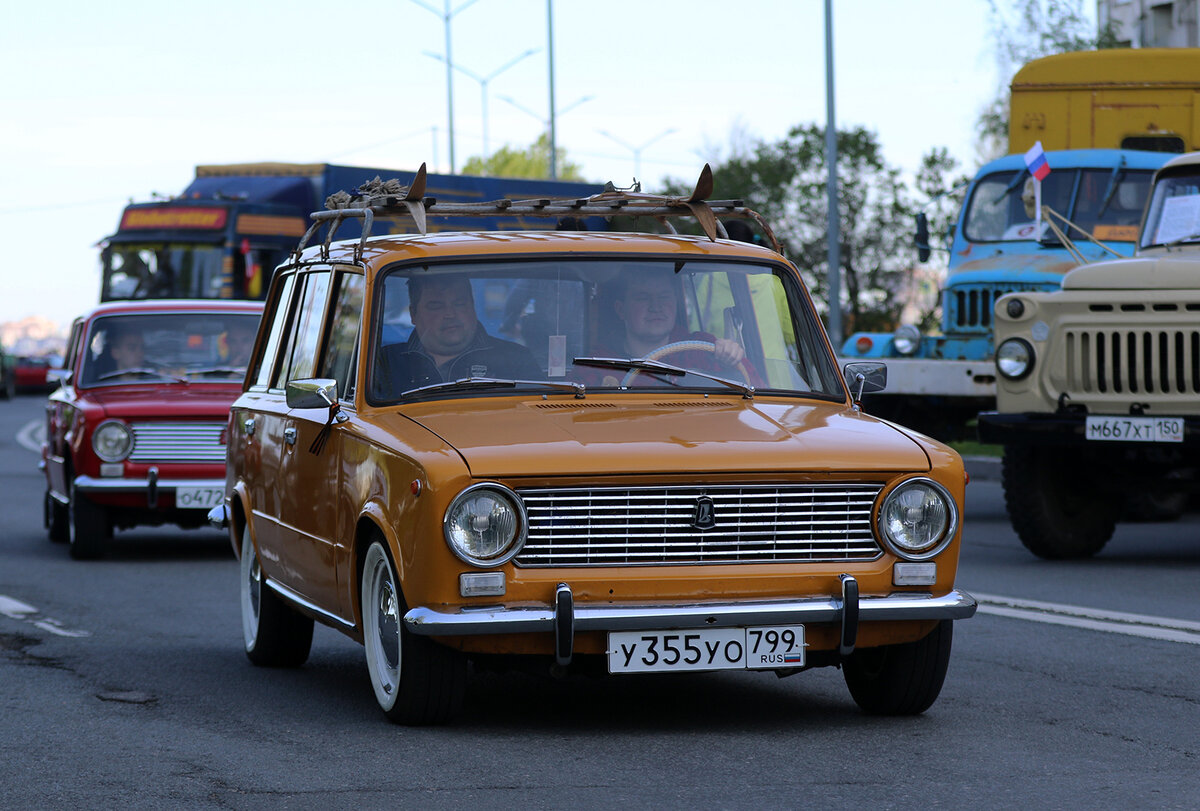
(117, 101)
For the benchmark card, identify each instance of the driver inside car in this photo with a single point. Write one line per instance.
(647, 307)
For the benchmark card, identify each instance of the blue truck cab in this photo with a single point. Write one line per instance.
(937, 383)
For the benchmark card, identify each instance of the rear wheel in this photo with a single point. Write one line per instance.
(900, 679)
(275, 635)
(1054, 503)
(416, 681)
(89, 527)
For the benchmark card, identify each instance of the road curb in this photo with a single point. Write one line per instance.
(982, 468)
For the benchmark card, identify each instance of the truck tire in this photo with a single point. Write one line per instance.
(1054, 504)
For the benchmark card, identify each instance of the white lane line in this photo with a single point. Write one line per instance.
(1095, 619)
(17, 610)
(31, 436)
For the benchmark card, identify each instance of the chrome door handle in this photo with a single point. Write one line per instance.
(289, 436)
(249, 426)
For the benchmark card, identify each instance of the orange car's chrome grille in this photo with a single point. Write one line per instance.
(716, 524)
(177, 442)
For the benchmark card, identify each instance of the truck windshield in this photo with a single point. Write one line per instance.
(608, 324)
(1105, 203)
(162, 270)
(1174, 214)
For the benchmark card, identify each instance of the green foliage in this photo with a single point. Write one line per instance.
(533, 161)
(1024, 30)
(785, 181)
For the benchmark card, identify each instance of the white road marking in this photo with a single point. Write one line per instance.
(17, 610)
(32, 436)
(1095, 619)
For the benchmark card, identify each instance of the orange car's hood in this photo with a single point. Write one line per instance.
(512, 437)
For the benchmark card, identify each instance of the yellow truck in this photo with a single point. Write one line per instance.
(1127, 98)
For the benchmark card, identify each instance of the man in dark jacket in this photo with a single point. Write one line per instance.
(448, 342)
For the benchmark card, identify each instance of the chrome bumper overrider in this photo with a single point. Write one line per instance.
(617, 617)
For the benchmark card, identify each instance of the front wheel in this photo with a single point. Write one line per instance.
(1055, 504)
(89, 527)
(416, 681)
(57, 518)
(900, 679)
(275, 635)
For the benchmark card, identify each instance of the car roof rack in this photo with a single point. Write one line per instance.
(390, 200)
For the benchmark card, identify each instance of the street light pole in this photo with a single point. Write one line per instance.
(446, 15)
(483, 86)
(637, 150)
(831, 183)
(550, 41)
(547, 123)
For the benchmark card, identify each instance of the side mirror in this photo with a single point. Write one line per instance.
(58, 377)
(922, 238)
(864, 378)
(312, 393)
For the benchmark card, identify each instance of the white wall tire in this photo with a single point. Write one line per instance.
(274, 634)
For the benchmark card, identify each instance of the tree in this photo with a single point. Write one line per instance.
(1024, 30)
(533, 161)
(785, 182)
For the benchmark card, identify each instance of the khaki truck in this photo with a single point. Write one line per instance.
(1098, 392)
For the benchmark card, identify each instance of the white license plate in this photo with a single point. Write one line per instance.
(760, 648)
(199, 498)
(1135, 429)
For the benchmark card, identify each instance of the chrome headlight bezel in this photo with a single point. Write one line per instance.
(906, 340)
(1009, 361)
(112, 441)
(910, 551)
(501, 496)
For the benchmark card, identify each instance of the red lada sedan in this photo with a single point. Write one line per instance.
(135, 432)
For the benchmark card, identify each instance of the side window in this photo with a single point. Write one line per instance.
(300, 353)
(338, 362)
(279, 313)
(70, 358)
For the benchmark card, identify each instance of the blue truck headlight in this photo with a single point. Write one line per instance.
(906, 339)
(1014, 358)
(485, 525)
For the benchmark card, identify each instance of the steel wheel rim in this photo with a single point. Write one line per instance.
(251, 590)
(381, 614)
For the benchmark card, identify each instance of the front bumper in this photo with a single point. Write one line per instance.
(940, 378)
(151, 486)
(1062, 429)
(564, 618)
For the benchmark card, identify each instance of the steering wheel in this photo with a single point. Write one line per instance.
(682, 346)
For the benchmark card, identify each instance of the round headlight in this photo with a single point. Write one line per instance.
(112, 440)
(485, 525)
(906, 339)
(1014, 358)
(918, 519)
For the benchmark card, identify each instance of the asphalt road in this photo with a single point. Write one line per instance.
(123, 685)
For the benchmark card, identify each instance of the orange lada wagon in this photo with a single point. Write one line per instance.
(583, 449)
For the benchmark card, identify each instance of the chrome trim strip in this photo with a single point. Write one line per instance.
(293, 597)
(86, 484)
(499, 619)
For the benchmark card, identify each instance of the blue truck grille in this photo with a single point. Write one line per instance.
(968, 307)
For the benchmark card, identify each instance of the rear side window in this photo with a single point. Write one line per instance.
(264, 373)
(300, 352)
(340, 354)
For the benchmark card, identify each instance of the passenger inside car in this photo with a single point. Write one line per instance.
(448, 342)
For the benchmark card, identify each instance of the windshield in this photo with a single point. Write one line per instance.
(151, 271)
(1174, 214)
(1105, 203)
(608, 324)
(181, 346)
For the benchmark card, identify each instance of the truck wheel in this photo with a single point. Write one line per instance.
(900, 679)
(1054, 504)
(56, 518)
(416, 681)
(275, 635)
(89, 527)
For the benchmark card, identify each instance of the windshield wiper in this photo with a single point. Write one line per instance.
(1181, 240)
(1016, 182)
(496, 383)
(217, 370)
(1114, 180)
(140, 371)
(643, 365)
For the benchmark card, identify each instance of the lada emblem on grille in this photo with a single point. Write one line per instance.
(705, 516)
